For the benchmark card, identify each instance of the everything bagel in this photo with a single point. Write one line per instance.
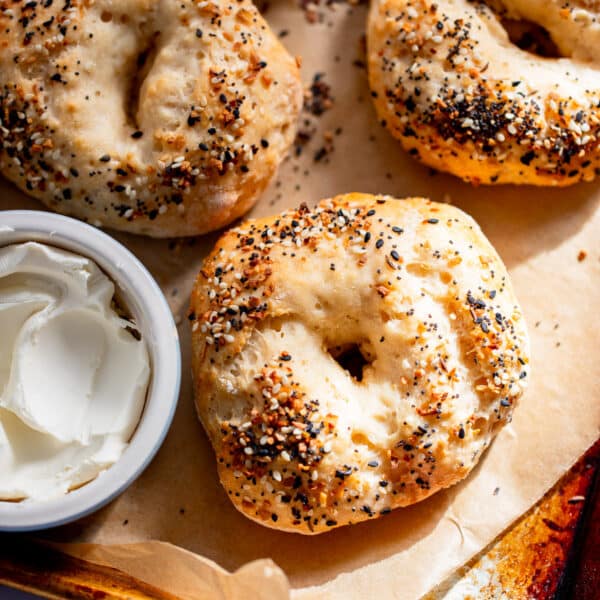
(353, 358)
(151, 116)
(447, 81)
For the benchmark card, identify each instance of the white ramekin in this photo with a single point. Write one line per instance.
(148, 306)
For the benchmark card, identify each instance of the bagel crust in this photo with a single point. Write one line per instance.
(411, 286)
(150, 116)
(447, 81)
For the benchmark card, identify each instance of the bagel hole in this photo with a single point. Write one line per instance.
(143, 65)
(351, 359)
(531, 37)
(262, 5)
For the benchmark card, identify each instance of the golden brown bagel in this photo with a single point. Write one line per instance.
(150, 116)
(448, 82)
(353, 358)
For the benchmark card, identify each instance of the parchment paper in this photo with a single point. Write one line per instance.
(538, 232)
(165, 567)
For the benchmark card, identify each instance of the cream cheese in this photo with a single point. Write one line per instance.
(73, 376)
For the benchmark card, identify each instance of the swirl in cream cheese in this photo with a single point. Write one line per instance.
(73, 378)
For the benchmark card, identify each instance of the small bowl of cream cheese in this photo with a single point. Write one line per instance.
(89, 369)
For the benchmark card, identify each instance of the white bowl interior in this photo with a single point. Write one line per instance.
(147, 305)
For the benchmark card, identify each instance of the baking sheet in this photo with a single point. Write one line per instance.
(539, 233)
(540, 557)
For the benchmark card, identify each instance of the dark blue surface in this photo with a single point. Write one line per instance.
(10, 594)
